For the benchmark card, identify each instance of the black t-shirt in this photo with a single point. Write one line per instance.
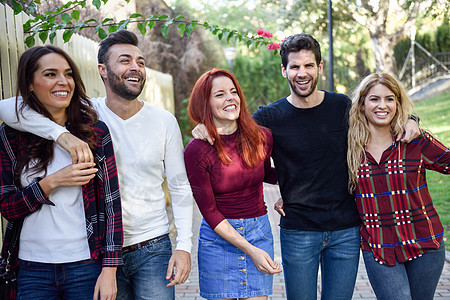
(310, 156)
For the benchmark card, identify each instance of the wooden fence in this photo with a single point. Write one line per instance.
(157, 91)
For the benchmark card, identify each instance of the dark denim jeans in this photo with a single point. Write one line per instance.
(143, 275)
(338, 254)
(416, 279)
(42, 281)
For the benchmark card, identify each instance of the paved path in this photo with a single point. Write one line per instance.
(190, 290)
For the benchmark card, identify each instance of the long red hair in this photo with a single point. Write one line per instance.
(251, 137)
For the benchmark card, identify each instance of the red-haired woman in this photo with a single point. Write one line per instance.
(235, 251)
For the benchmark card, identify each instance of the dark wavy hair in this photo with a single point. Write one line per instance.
(80, 113)
(119, 37)
(251, 137)
(298, 42)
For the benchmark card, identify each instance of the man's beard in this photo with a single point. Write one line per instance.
(304, 93)
(119, 87)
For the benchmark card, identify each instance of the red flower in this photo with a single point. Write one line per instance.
(267, 34)
(273, 46)
(260, 31)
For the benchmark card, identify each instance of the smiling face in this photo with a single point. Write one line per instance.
(302, 73)
(53, 84)
(124, 73)
(380, 106)
(225, 104)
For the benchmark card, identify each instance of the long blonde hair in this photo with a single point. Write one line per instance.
(358, 133)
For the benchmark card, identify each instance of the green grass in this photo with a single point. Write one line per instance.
(434, 116)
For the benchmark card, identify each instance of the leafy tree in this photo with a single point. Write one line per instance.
(387, 22)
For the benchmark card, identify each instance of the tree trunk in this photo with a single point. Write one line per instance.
(384, 53)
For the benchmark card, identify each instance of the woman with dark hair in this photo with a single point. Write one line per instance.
(68, 215)
(401, 234)
(235, 251)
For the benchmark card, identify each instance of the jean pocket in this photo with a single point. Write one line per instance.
(207, 235)
(265, 229)
(160, 246)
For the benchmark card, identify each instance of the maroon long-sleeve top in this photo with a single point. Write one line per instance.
(231, 191)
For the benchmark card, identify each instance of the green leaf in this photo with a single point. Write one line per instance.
(190, 28)
(31, 8)
(107, 20)
(181, 28)
(163, 17)
(230, 35)
(151, 24)
(27, 26)
(97, 3)
(91, 20)
(36, 29)
(249, 43)
(52, 36)
(142, 27)
(169, 22)
(43, 35)
(164, 30)
(135, 15)
(79, 26)
(29, 41)
(65, 18)
(76, 14)
(112, 28)
(18, 8)
(154, 16)
(123, 24)
(37, 1)
(178, 17)
(102, 34)
(67, 35)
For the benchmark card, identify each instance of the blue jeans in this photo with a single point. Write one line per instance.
(416, 279)
(338, 254)
(143, 275)
(42, 281)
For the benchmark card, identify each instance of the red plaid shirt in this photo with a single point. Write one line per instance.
(101, 198)
(399, 219)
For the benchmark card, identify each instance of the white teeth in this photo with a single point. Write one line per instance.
(61, 93)
(302, 82)
(231, 107)
(133, 79)
(381, 113)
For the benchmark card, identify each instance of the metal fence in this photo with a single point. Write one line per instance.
(427, 69)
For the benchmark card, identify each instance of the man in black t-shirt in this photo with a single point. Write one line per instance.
(320, 222)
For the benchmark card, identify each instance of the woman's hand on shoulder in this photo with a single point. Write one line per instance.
(201, 133)
(78, 149)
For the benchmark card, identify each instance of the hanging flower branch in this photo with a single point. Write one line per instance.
(67, 18)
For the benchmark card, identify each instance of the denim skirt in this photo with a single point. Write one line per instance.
(227, 272)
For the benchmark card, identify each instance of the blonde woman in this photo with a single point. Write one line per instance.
(401, 234)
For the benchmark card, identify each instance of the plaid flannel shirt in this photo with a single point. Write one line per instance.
(399, 219)
(101, 198)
